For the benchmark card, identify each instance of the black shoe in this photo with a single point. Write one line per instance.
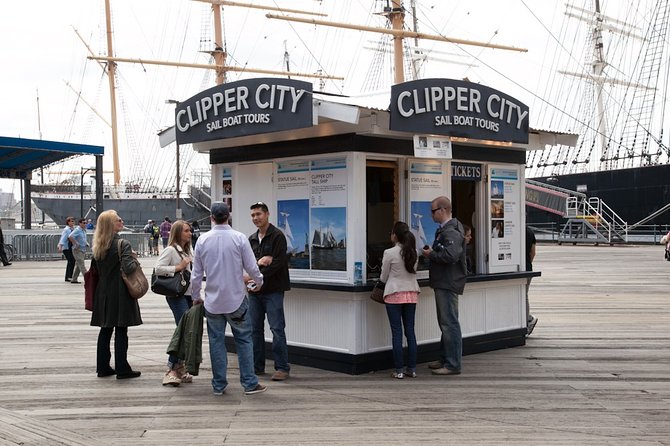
(108, 372)
(7, 263)
(68, 280)
(74, 281)
(128, 375)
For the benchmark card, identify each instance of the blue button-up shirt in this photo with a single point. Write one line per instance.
(63, 237)
(223, 254)
(79, 236)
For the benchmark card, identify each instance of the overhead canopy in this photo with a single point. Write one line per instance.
(20, 156)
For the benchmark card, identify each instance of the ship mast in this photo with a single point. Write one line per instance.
(111, 75)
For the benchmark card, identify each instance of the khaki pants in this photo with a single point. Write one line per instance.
(80, 265)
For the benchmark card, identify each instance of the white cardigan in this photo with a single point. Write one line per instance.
(168, 260)
(394, 274)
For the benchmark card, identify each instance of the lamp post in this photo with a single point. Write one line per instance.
(84, 171)
(178, 211)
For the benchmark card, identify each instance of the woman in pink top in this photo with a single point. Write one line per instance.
(400, 296)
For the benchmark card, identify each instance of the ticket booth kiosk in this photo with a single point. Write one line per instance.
(335, 177)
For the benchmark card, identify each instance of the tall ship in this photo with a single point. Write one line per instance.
(609, 84)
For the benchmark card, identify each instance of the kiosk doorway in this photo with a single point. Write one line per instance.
(382, 210)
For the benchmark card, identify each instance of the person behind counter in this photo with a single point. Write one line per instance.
(400, 296)
(176, 257)
(113, 308)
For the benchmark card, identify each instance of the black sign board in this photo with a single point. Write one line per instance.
(457, 108)
(247, 107)
(466, 172)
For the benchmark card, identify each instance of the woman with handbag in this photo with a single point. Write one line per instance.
(175, 260)
(400, 296)
(113, 308)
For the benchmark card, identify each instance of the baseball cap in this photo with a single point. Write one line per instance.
(220, 210)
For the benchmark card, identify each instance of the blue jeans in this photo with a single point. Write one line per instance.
(179, 306)
(402, 315)
(451, 342)
(271, 304)
(241, 327)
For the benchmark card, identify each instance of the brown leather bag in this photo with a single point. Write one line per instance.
(378, 292)
(136, 282)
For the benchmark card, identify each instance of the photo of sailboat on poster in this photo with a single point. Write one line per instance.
(328, 239)
(296, 231)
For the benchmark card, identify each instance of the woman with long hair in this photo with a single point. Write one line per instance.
(113, 308)
(400, 296)
(174, 259)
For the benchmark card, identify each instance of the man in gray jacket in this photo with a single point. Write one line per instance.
(447, 273)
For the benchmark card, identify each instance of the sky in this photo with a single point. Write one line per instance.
(41, 52)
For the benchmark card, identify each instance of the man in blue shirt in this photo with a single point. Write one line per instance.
(65, 247)
(223, 255)
(78, 239)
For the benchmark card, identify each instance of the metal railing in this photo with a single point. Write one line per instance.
(44, 246)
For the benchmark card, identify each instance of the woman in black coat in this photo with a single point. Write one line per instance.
(113, 308)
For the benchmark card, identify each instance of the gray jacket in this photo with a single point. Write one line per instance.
(448, 266)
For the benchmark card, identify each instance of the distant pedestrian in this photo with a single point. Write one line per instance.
(3, 256)
(223, 255)
(269, 246)
(113, 308)
(531, 243)
(447, 275)
(665, 240)
(78, 240)
(89, 225)
(174, 259)
(165, 231)
(401, 293)
(65, 246)
(195, 232)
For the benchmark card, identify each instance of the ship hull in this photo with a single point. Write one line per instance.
(633, 193)
(135, 212)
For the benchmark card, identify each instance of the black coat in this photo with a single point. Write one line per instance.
(112, 305)
(275, 275)
(448, 267)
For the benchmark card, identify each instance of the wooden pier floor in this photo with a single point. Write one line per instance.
(595, 371)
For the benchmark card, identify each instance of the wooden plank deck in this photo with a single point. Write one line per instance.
(595, 371)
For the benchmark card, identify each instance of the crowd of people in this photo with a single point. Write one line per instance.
(247, 277)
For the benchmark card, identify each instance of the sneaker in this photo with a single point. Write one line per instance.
(260, 388)
(409, 374)
(397, 375)
(445, 371)
(531, 325)
(435, 365)
(219, 392)
(279, 375)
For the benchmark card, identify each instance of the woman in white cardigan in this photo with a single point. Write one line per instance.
(175, 258)
(400, 296)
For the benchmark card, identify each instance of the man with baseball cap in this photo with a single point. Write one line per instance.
(223, 255)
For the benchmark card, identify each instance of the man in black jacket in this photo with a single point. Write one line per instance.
(447, 273)
(269, 246)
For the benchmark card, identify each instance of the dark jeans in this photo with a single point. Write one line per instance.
(179, 306)
(3, 255)
(402, 315)
(451, 342)
(271, 304)
(70, 263)
(120, 350)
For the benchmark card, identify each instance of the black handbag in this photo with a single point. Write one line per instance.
(378, 292)
(174, 286)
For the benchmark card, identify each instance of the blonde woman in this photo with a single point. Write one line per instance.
(174, 259)
(113, 308)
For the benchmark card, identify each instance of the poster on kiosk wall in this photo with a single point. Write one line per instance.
(312, 213)
(426, 182)
(504, 219)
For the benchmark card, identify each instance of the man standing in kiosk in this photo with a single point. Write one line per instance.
(447, 274)
(269, 246)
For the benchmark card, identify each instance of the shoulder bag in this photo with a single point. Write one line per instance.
(174, 286)
(90, 284)
(378, 292)
(136, 282)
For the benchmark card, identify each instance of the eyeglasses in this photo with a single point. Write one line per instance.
(432, 211)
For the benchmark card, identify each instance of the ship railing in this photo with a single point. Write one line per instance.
(603, 219)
